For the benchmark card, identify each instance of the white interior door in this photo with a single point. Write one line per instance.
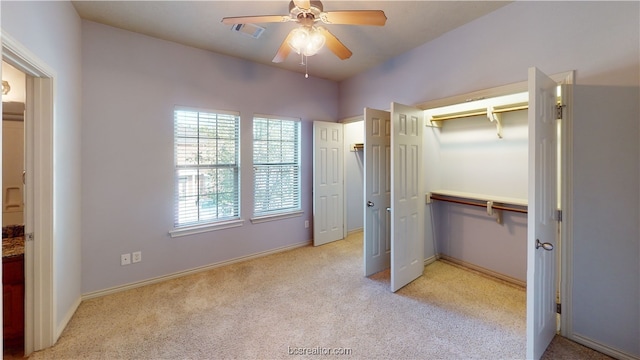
(407, 197)
(328, 182)
(542, 223)
(377, 190)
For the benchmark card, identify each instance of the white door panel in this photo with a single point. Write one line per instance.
(542, 223)
(377, 191)
(407, 198)
(328, 182)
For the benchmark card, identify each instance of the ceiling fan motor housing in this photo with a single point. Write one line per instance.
(306, 16)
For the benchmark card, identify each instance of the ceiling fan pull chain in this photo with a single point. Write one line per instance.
(306, 72)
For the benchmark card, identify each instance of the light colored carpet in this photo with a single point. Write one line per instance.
(312, 298)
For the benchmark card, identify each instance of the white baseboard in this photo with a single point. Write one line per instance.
(430, 260)
(179, 274)
(486, 271)
(350, 232)
(601, 347)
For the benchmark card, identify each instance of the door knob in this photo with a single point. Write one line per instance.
(370, 204)
(547, 246)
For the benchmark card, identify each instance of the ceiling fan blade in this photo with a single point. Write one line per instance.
(355, 17)
(335, 45)
(255, 19)
(283, 51)
(302, 4)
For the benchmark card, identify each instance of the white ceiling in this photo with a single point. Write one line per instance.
(198, 24)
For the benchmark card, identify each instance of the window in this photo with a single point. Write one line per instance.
(206, 150)
(276, 166)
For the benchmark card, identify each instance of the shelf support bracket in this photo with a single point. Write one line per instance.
(493, 212)
(497, 118)
(432, 122)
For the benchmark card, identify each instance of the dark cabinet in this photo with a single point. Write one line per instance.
(13, 301)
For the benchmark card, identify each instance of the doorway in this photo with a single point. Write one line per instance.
(39, 324)
(13, 105)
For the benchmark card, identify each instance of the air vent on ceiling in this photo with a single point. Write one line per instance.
(251, 30)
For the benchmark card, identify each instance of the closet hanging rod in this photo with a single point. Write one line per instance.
(515, 107)
(496, 110)
(459, 115)
(478, 204)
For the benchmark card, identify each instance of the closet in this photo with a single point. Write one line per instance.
(477, 189)
(480, 188)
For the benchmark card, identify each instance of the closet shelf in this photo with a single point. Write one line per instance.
(483, 111)
(357, 146)
(493, 204)
(493, 113)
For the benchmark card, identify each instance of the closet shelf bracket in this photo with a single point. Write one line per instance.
(495, 118)
(494, 212)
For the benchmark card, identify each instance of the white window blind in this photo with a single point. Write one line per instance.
(276, 165)
(206, 150)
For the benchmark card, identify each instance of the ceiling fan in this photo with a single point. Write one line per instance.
(308, 38)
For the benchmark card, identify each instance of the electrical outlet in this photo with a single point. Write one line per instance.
(136, 257)
(306, 224)
(125, 259)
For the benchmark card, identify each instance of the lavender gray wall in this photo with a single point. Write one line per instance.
(600, 40)
(606, 247)
(467, 233)
(131, 84)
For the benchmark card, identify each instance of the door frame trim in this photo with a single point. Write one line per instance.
(40, 331)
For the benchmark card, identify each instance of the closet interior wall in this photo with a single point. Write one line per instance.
(466, 155)
(354, 176)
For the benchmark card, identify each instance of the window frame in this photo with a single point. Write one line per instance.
(278, 214)
(218, 222)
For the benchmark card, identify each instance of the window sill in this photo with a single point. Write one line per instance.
(198, 229)
(274, 217)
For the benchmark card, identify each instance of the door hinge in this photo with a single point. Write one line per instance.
(559, 308)
(559, 108)
(29, 236)
(559, 215)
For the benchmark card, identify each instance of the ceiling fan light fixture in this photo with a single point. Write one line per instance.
(306, 40)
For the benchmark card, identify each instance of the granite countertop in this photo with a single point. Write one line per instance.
(12, 246)
(12, 240)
